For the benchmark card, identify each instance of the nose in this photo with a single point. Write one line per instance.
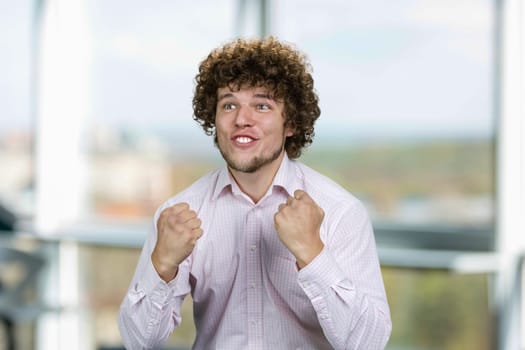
(244, 117)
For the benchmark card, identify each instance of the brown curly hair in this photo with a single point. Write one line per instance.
(266, 62)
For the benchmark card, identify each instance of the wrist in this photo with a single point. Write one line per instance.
(308, 255)
(167, 270)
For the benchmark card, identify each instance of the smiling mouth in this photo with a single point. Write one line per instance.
(243, 139)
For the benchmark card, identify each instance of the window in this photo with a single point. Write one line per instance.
(407, 100)
(407, 92)
(437, 309)
(16, 123)
(143, 144)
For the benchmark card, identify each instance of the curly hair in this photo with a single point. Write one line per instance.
(267, 63)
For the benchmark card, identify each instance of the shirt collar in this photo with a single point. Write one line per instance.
(287, 178)
(224, 181)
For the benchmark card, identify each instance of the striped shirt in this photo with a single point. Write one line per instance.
(246, 288)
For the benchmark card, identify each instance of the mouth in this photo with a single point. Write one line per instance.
(243, 140)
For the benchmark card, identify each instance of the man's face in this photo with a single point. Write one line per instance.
(250, 130)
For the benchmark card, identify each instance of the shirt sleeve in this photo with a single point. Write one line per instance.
(345, 286)
(151, 309)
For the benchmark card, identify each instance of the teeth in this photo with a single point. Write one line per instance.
(243, 139)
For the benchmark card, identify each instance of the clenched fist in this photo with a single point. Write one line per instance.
(178, 229)
(297, 223)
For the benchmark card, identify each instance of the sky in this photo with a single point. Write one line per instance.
(410, 67)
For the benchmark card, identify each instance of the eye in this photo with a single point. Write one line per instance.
(263, 107)
(228, 106)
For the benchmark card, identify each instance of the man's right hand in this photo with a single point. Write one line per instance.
(178, 229)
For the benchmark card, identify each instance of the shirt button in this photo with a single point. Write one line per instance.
(252, 285)
(253, 247)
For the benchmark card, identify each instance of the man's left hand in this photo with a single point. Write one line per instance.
(297, 223)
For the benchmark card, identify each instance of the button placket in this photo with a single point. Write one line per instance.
(254, 279)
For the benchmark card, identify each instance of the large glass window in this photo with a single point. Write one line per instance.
(16, 124)
(143, 144)
(407, 96)
(407, 99)
(438, 309)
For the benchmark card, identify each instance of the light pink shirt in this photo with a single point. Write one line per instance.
(247, 291)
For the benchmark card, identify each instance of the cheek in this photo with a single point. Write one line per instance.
(219, 126)
(220, 136)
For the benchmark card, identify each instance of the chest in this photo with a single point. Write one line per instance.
(239, 246)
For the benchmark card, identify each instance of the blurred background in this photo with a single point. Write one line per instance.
(422, 119)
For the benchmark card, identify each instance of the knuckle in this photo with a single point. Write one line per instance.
(179, 228)
(164, 215)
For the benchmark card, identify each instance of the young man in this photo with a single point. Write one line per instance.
(275, 255)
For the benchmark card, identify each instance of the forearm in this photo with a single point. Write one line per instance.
(151, 308)
(354, 322)
(351, 316)
(146, 321)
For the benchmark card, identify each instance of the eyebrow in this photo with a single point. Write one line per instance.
(225, 95)
(264, 95)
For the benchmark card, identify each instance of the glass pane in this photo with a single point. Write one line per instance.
(406, 91)
(434, 309)
(144, 144)
(16, 124)
(104, 290)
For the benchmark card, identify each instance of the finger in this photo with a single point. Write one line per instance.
(289, 200)
(179, 207)
(281, 207)
(169, 212)
(276, 218)
(167, 215)
(197, 232)
(186, 215)
(300, 194)
(194, 223)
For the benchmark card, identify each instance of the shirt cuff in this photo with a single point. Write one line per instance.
(320, 274)
(156, 288)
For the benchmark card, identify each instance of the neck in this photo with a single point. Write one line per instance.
(256, 184)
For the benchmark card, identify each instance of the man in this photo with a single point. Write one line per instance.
(276, 256)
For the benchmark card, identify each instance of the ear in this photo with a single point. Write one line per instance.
(289, 129)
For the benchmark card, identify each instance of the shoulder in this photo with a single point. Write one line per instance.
(327, 193)
(343, 211)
